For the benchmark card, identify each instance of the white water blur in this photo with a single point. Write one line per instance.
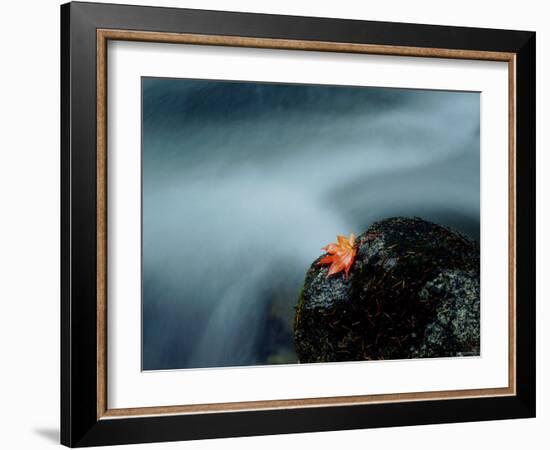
(245, 211)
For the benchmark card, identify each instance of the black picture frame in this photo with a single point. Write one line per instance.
(80, 425)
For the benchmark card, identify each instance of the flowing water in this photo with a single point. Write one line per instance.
(244, 182)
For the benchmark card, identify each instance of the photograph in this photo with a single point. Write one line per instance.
(306, 223)
(276, 222)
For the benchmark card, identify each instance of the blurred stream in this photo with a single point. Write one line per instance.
(244, 182)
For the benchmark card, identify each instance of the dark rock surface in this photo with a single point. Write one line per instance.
(412, 292)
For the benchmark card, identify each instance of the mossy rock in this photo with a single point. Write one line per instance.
(412, 292)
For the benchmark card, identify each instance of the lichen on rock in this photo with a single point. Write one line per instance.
(412, 292)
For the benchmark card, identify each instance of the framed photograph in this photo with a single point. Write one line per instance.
(276, 224)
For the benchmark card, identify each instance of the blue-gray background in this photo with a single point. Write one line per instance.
(243, 182)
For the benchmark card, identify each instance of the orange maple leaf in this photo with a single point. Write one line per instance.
(341, 255)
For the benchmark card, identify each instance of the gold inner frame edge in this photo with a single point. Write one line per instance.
(103, 36)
